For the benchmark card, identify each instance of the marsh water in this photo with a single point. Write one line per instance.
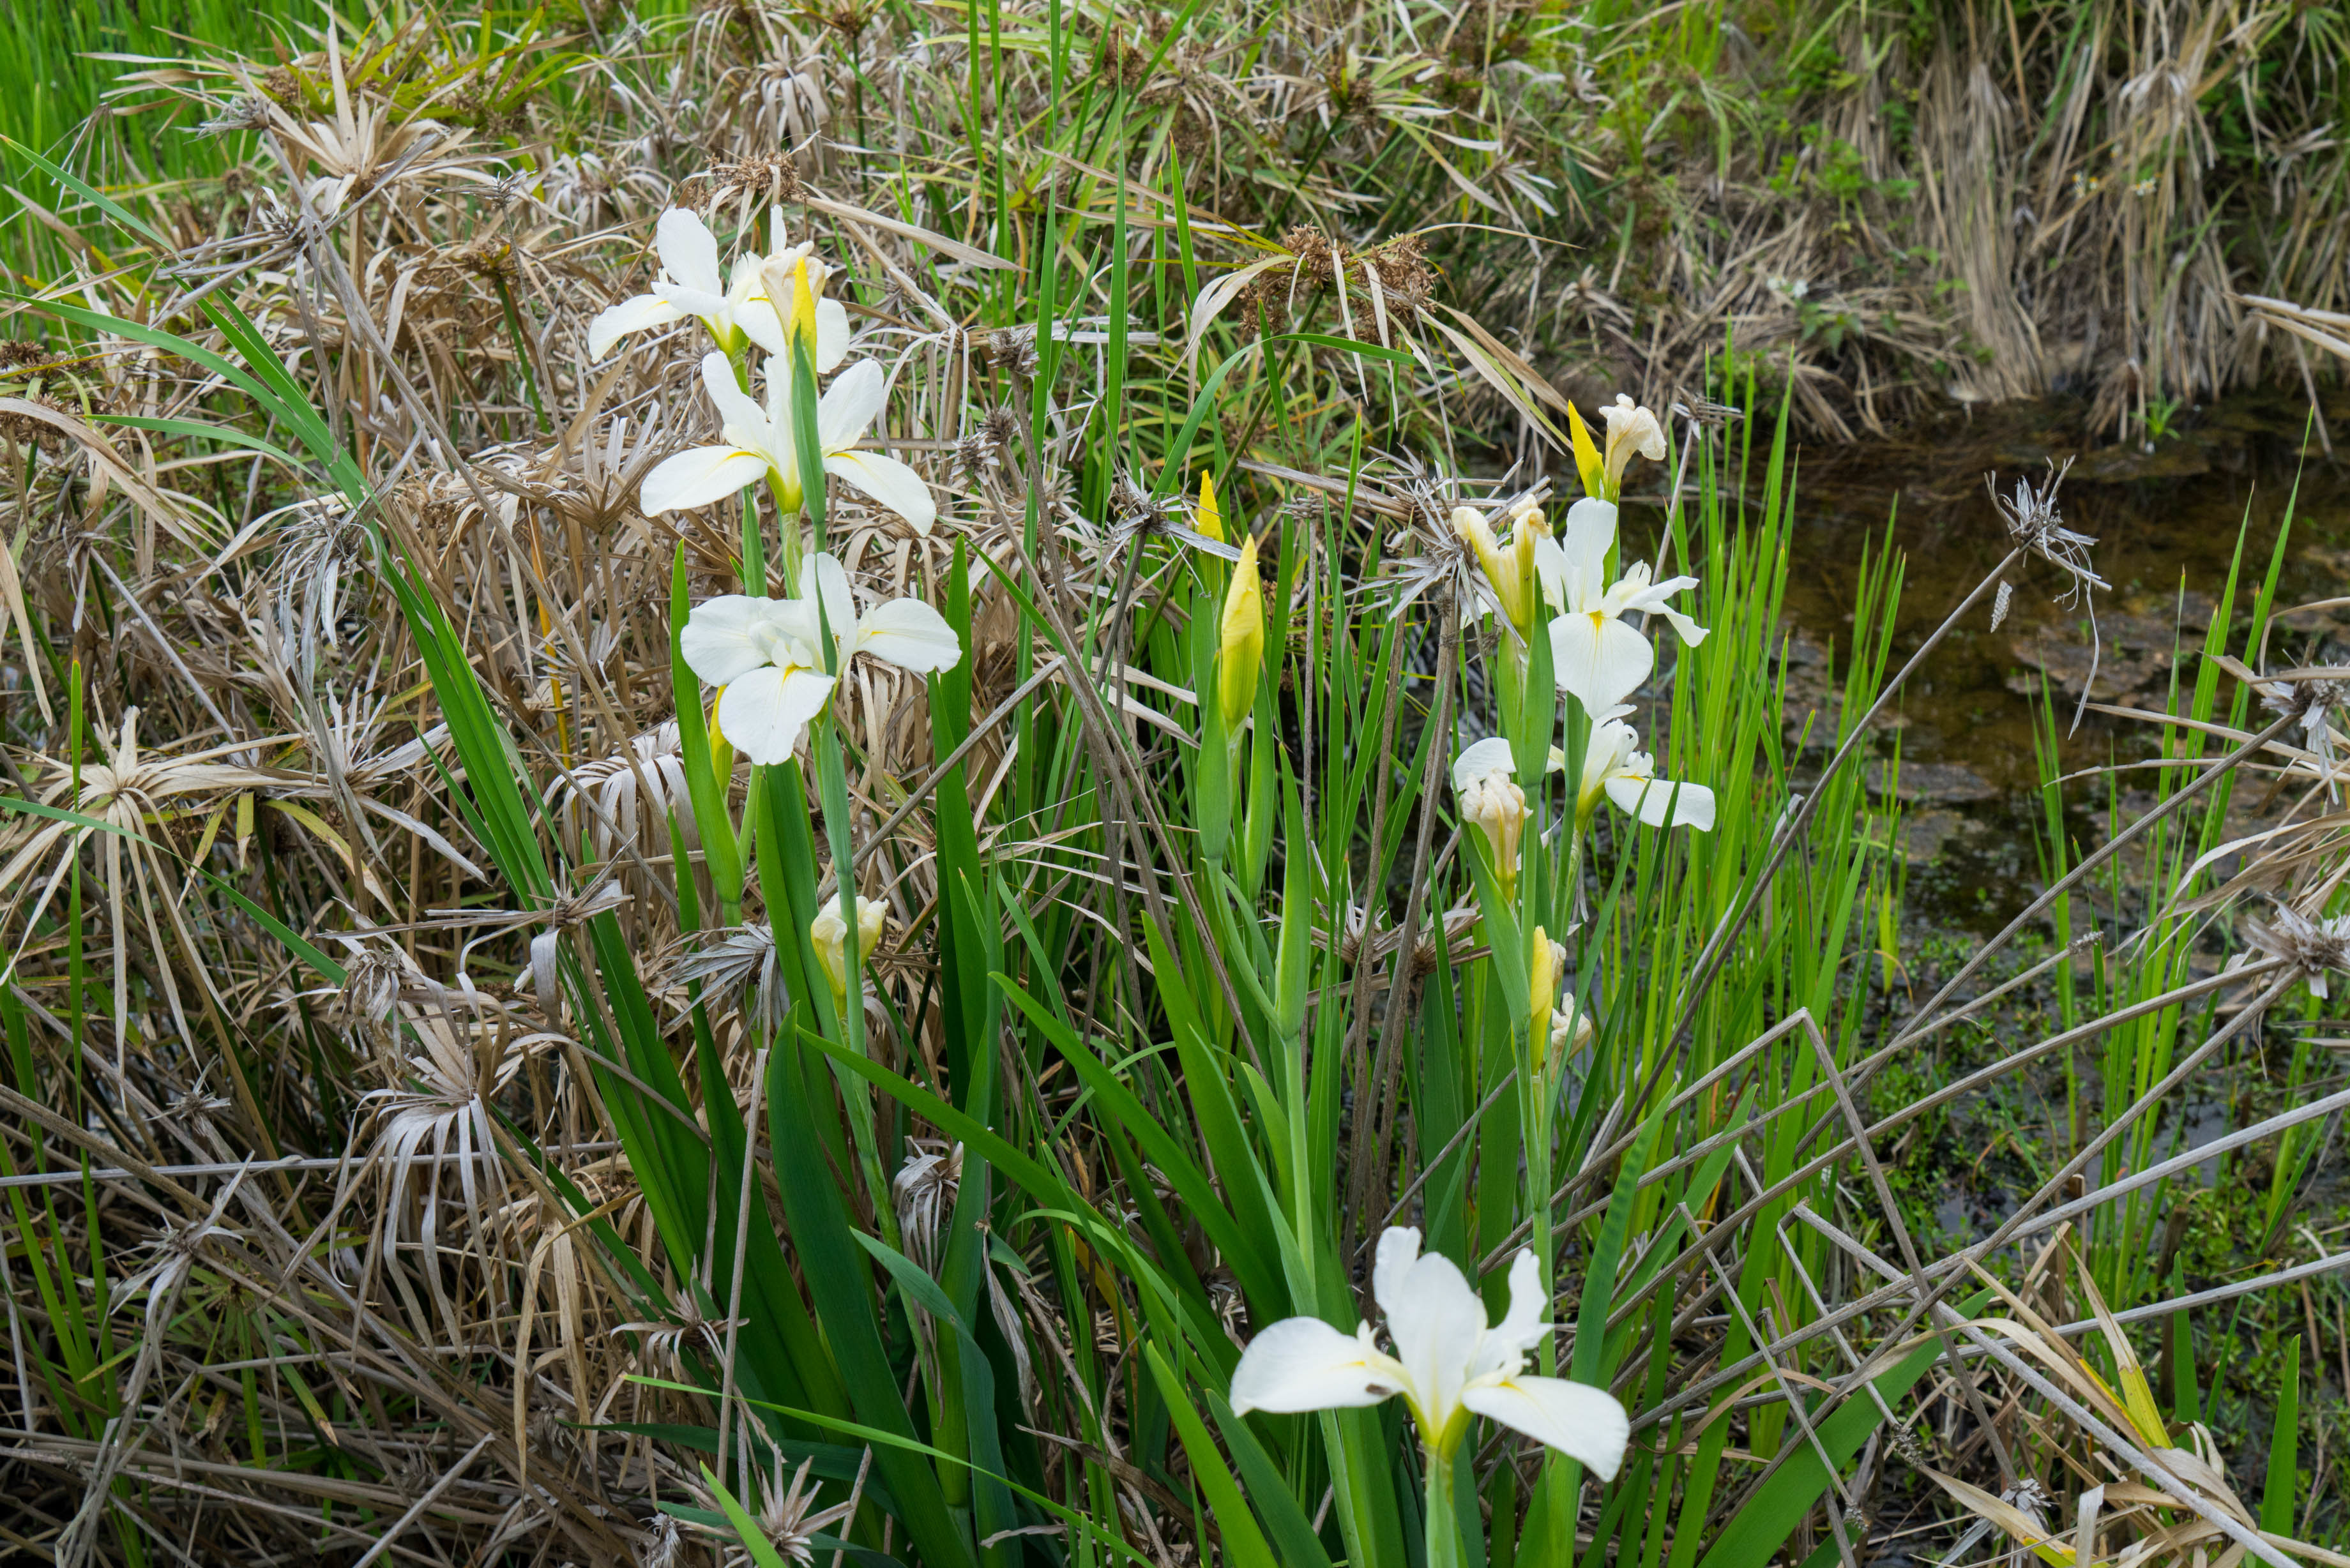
(2168, 524)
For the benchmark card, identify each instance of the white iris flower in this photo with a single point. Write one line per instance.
(1598, 658)
(734, 309)
(768, 655)
(1449, 1363)
(1616, 767)
(758, 442)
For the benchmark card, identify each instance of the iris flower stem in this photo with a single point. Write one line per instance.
(832, 788)
(1539, 1098)
(1442, 1524)
(832, 778)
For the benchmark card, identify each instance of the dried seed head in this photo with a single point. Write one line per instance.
(1320, 259)
(1402, 266)
(489, 258)
(1119, 65)
(247, 111)
(377, 973)
(2309, 698)
(1012, 348)
(281, 87)
(1349, 88)
(1458, 925)
(1697, 408)
(507, 189)
(662, 1542)
(2035, 523)
(1905, 1444)
(2314, 947)
(25, 430)
(789, 1518)
(1003, 427)
(18, 358)
(980, 455)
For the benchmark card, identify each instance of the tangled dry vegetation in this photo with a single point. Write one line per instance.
(429, 1132)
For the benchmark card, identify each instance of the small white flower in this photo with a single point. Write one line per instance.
(733, 308)
(759, 442)
(1597, 658)
(1449, 1363)
(1615, 766)
(768, 655)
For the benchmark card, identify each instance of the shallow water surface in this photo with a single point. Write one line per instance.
(2166, 525)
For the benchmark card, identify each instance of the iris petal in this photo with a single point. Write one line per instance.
(630, 316)
(1580, 1421)
(1303, 1363)
(766, 713)
(697, 477)
(1598, 660)
(911, 635)
(888, 482)
(719, 642)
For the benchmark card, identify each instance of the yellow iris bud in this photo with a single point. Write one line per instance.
(722, 750)
(1631, 428)
(1589, 465)
(829, 933)
(1511, 569)
(1209, 518)
(792, 288)
(1241, 650)
(1542, 980)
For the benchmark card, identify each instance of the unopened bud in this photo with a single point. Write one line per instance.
(1239, 653)
(829, 933)
(1209, 518)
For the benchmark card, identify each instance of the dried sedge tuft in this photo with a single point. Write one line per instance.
(1700, 409)
(1349, 89)
(1402, 268)
(491, 259)
(1320, 259)
(25, 431)
(2035, 523)
(922, 1192)
(22, 359)
(740, 967)
(281, 87)
(747, 183)
(1459, 926)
